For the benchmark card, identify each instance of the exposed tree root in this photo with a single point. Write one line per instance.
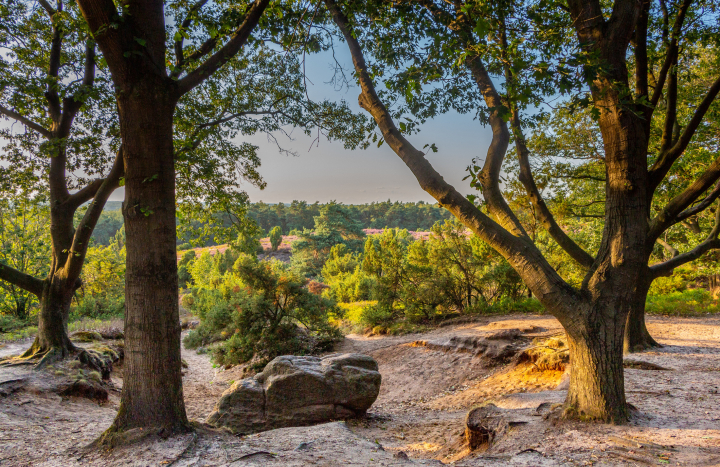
(115, 436)
(39, 358)
(647, 343)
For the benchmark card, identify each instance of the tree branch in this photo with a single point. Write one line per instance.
(72, 104)
(669, 215)
(228, 51)
(641, 56)
(489, 176)
(26, 121)
(546, 217)
(671, 249)
(48, 9)
(671, 53)
(522, 254)
(701, 206)
(179, 58)
(51, 94)
(22, 280)
(85, 194)
(81, 239)
(100, 15)
(662, 166)
(711, 243)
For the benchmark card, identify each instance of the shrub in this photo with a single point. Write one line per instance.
(688, 302)
(10, 323)
(275, 238)
(270, 313)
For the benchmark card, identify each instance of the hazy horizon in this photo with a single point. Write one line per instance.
(326, 171)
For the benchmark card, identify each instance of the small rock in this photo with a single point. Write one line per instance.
(401, 455)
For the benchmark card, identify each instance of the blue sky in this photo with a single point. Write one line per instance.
(327, 171)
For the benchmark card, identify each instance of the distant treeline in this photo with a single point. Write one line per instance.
(299, 215)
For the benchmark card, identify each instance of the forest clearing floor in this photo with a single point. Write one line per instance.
(428, 387)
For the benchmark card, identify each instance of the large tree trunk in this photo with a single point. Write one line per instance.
(597, 388)
(152, 396)
(52, 342)
(637, 337)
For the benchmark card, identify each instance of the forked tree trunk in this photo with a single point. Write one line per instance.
(152, 396)
(637, 337)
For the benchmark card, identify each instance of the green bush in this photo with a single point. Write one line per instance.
(690, 302)
(376, 315)
(275, 237)
(9, 323)
(268, 313)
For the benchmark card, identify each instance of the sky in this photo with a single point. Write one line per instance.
(327, 171)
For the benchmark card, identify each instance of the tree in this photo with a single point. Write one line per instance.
(275, 237)
(150, 87)
(24, 246)
(576, 182)
(538, 50)
(51, 84)
(334, 225)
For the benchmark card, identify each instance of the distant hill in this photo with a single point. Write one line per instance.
(113, 206)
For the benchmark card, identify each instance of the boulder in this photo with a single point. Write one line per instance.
(299, 391)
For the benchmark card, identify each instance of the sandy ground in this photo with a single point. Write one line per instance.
(425, 395)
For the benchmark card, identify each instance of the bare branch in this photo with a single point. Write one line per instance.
(711, 243)
(22, 280)
(228, 51)
(701, 206)
(26, 121)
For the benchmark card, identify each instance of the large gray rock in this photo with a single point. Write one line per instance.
(298, 391)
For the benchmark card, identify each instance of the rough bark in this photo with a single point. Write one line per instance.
(637, 337)
(52, 342)
(152, 386)
(597, 385)
(152, 396)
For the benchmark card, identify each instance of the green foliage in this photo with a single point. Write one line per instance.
(690, 302)
(343, 273)
(259, 310)
(334, 225)
(385, 260)
(184, 276)
(418, 281)
(103, 283)
(275, 237)
(299, 215)
(109, 224)
(24, 245)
